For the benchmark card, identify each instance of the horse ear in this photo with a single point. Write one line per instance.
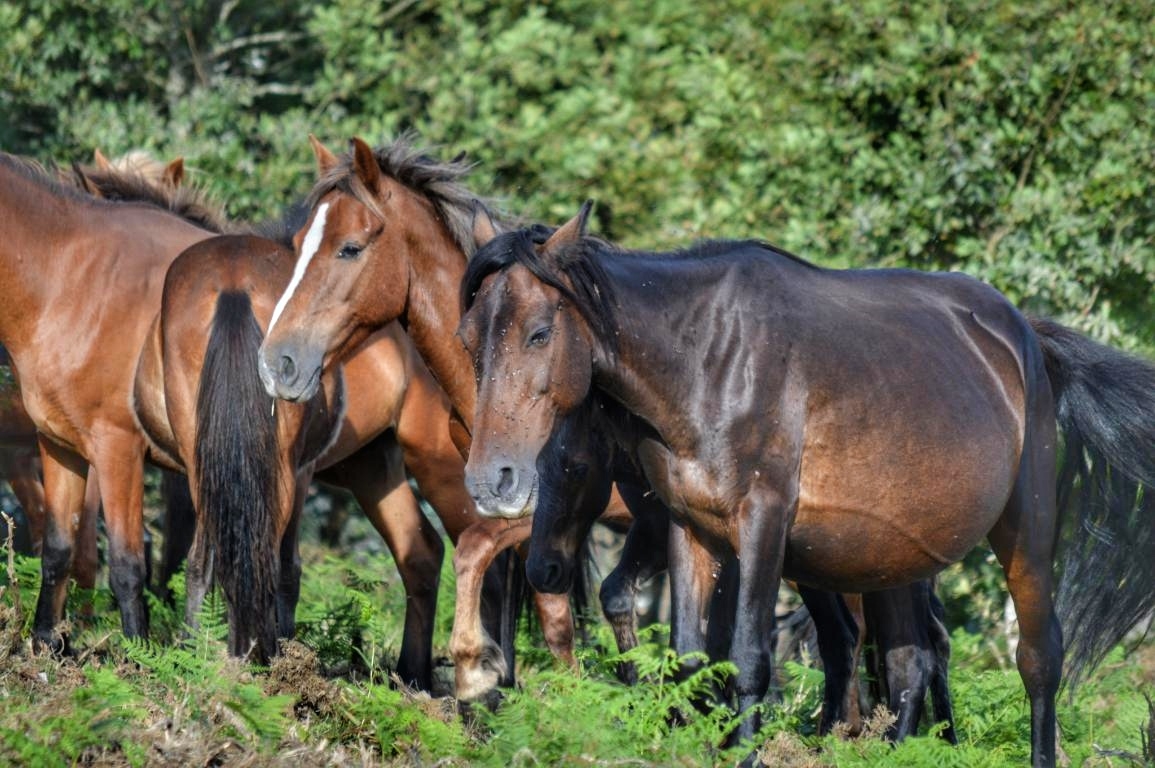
(101, 162)
(174, 173)
(483, 227)
(572, 231)
(364, 163)
(83, 181)
(326, 160)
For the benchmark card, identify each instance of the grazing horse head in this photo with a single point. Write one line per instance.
(537, 302)
(374, 213)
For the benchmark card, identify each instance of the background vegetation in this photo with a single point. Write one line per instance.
(1011, 140)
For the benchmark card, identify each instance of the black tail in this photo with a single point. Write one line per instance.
(236, 481)
(1105, 404)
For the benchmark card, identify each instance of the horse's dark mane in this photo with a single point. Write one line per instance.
(281, 230)
(56, 181)
(439, 181)
(576, 274)
(188, 202)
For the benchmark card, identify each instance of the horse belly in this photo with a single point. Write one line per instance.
(862, 550)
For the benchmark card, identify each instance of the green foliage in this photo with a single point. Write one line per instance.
(1008, 141)
(149, 702)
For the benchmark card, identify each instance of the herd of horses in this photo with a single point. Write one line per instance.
(754, 417)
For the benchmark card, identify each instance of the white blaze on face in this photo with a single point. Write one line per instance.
(308, 250)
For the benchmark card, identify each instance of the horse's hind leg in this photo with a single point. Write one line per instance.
(939, 681)
(64, 494)
(1023, 540)
(179, 528)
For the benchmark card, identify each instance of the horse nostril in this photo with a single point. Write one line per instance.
(288, 370)
(506, 479)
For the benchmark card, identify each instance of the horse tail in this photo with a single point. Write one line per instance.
(237, 488)
(1105, 406)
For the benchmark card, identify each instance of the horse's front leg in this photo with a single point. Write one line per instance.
(479, 664)
(762, 523)
(642, 558)
(64, 473)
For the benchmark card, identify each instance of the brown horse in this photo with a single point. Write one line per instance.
(247, 477)
(250, 463)
(904, 624)
(73, 321)
(387, 239)
(19, 449)
(855, 430)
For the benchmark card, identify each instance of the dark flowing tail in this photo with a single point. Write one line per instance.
(236, 480)
(1105, 404)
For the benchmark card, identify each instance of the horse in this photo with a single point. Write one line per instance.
(250, 462)
(387, 239)
(854, 430)
(251, 466)
(19, 450)
(580, 459)
(73, 320)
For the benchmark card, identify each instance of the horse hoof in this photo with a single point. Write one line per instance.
(52, 642)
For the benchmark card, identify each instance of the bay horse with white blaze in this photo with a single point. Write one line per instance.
(854, 430)
(388, 236)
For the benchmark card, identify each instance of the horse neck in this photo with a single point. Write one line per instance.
(646, 373)
(433, 314)
(36, 222)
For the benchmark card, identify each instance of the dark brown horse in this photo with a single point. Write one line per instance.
(854, 430)
(387, 239)
(73, 320)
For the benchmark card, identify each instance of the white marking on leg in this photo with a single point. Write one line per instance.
(308, 250)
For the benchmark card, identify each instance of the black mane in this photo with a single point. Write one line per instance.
(128, 186)
(578, 274)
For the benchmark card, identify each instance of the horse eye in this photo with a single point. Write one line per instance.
(349, 251)
(541, 336)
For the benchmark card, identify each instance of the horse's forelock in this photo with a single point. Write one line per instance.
(575, 272)
(441, 182)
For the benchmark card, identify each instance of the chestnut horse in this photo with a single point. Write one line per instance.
(250, 463)
(19, 449)
(854, 430)
(387, 239)
(73, 321)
